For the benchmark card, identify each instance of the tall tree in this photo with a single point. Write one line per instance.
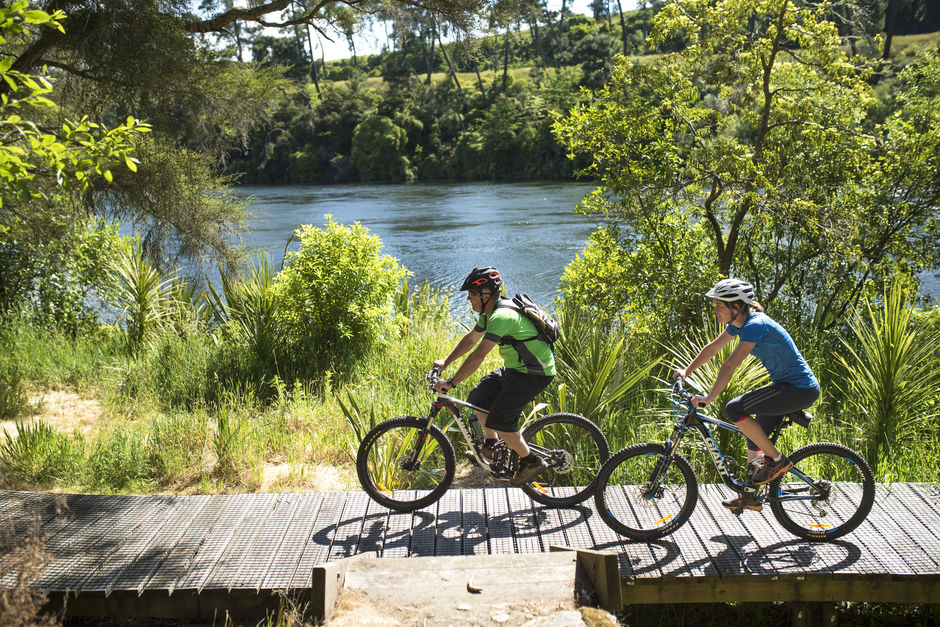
(157, 60)
(760, 137)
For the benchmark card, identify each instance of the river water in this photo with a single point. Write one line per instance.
(440, 231)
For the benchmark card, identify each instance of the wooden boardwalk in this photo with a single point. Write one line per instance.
(121, 550)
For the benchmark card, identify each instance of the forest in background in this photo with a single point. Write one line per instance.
(480, 107)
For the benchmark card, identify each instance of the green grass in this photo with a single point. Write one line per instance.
(162, 432)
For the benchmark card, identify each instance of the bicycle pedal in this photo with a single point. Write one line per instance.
(538, 486)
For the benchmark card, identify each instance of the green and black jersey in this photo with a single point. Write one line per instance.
(525, 354)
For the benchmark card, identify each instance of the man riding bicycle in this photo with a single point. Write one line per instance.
(793, 386)
(529, 366)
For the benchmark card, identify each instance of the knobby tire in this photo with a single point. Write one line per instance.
(379, 464)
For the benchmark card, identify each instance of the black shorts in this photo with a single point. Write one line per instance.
(504, 394)
(769, 404)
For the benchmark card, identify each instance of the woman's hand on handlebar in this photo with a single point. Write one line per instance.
(699, 401)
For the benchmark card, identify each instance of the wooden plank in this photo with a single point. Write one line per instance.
(212, 548)
(136, 576)
(286, 559)
(920, 524)
(112, 568)
(449, 533)
(422, 531)
(905, 556)
(374, 525)
(232, 559)
(524, 524)
(783, 588)
(257, 560)
(724, 544)
(90, 545)
(474, 522)
(397, 534)
(317, 547)
(606, 539)
(348, 531)
(498, 522)
(190, 542)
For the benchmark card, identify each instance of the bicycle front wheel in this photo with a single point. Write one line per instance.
(828, 493)
(403, 470)
(644, 495)
(574, 449)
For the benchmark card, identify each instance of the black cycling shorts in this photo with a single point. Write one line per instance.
(504, 394)
(769, 404)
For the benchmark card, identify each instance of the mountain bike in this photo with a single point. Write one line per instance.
(407, 463)
(646, 491)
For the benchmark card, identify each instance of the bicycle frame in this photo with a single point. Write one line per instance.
(699, 423)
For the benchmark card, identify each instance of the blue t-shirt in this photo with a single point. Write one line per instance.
(775, 349)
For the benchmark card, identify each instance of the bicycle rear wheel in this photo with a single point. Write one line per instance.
(399, 470)
(574, 449)
(639, 496)
(835, 499)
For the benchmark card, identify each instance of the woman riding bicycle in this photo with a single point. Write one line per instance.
(793, 386)
(529, 368)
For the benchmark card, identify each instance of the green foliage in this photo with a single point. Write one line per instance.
(247, 312)
(596, 372)
(377, 146)
(14, 402)
(143, 294)
(760, 133)
(890, 379)
(118, 461)
(335, 297)
(39, 456)
(175, 446)
(629, 282)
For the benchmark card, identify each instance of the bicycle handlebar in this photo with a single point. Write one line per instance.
(678, 388)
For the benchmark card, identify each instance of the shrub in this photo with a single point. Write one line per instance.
(39, 456)
(335, 297)
(118, 462)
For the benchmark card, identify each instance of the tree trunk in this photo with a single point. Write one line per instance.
(476, 68)
(505, 59)
(313, 62)
(623, 27)
(891, 20)
(453, 74)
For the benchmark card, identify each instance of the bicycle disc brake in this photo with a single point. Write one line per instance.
(562, 462)
(647, 494)
(825, 495)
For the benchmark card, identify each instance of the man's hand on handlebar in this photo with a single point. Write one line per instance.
(442, 386)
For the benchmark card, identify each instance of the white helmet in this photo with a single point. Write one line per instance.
(731, 290)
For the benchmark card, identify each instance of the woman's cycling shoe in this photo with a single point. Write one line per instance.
(742, 502)
(771, 469)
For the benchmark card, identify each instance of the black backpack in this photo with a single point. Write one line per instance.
(546, 326)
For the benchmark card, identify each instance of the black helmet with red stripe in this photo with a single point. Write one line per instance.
(480, 279)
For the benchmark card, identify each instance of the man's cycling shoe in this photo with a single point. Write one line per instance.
(742, 502)
(771, 469)
(529, 472)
